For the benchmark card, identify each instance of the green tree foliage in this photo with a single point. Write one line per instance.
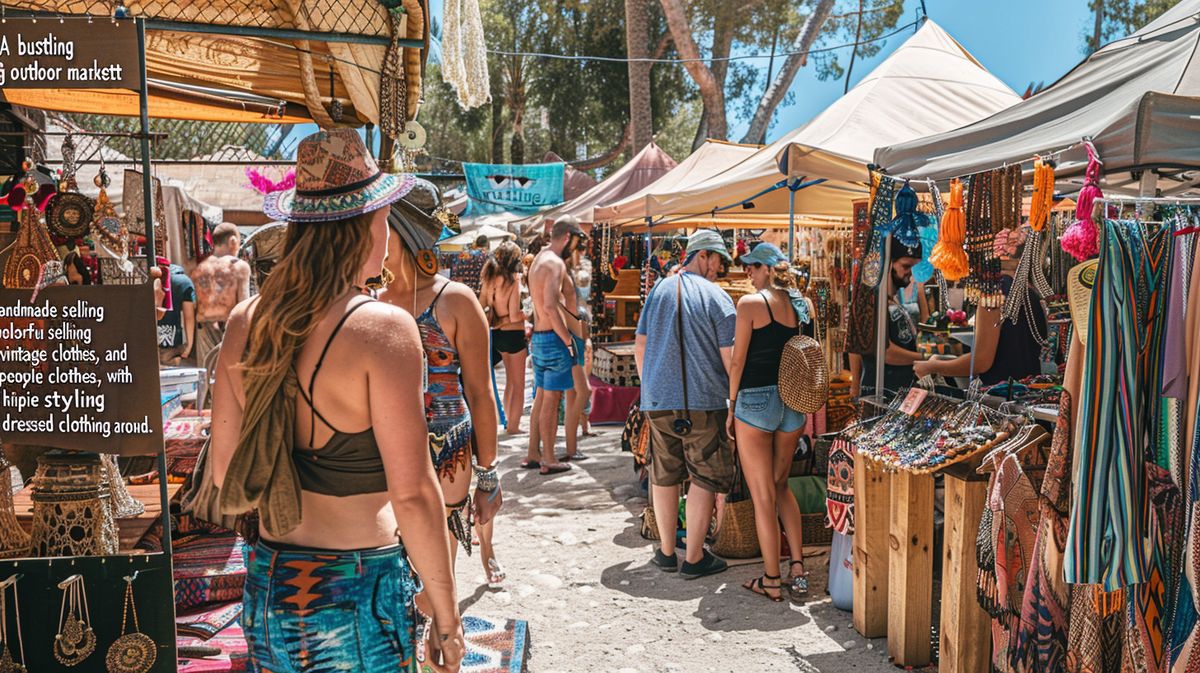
(1118, 18)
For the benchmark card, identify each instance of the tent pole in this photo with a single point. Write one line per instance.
(791, 223)
(881, 318)
(151, 253)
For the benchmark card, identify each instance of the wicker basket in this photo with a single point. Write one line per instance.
(803, 375)
(815, 532)
(737, 536)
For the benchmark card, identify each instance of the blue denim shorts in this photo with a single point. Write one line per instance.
(580, 350)
(765, 410)
(314, 610)
(552, 362)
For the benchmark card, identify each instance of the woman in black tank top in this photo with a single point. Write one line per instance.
(766, 430)
(318, 426)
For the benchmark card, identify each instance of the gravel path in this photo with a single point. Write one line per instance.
(578, 572)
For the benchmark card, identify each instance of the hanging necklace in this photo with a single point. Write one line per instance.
(7, 664)
(75, 640)
(132, 652)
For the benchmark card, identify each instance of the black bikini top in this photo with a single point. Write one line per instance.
(349, 463)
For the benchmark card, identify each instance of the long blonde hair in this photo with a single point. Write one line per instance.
(321, 262)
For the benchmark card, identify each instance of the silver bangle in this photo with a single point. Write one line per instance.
(487, 479)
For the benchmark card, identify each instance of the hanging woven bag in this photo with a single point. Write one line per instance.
(803, 375)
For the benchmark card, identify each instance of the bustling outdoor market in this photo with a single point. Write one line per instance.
(460, 335)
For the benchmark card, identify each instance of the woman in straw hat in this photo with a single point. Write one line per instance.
(318, 425)
(767, 431)
(460, 407)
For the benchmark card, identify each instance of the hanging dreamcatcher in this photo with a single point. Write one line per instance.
(70, 214)
(33, 248)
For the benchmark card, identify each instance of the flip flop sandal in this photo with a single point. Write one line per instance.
(799, 583)
(531, 465)
(495, 574)
(579, 455)
(756, 586)
(556, 469)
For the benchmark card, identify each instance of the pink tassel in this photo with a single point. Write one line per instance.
(1080, 240)
(264, 185)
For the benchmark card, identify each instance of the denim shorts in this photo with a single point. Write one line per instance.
(580, 350)
(552, 362)
(315, 610)
(765, 410)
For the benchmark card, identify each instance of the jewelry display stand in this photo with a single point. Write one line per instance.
(14, 541)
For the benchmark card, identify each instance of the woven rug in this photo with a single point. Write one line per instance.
(233, 658)
(208, 569)
(208, 622)
(495, 646)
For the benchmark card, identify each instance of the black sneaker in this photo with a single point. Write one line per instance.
(709, 565)
(665, 563)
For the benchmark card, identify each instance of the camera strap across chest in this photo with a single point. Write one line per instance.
(679, 327)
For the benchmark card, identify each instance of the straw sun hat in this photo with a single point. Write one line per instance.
(336, 178)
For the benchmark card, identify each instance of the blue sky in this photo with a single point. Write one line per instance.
(1019, 41)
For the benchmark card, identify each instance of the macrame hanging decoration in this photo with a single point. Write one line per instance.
(464, 53)
(109, 231)
(14, 541)
(124, 505)
(1081, 239)
(393, 85)
(1043, 193)
(70, 514)
(948, 255)
(33, 248)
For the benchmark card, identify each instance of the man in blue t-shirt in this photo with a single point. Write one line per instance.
(685, 384)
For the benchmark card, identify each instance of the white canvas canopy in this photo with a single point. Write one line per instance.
(642, 170)
(710, 159)
(1137, 98)
(467, 238)
(927, 85)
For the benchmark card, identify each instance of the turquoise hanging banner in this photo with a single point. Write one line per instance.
(522, 189)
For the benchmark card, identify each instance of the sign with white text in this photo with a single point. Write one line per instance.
(69, 54)
(79, 369)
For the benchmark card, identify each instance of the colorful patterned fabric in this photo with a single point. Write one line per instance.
(495, 646)
(1110, 514)
(1096, 634)
(1014, 506)
(446, 411)
(1040, 641)
(468, 267)
(208, 569)
(839, 491)
(208, 622)
(233, 658)
(330, 611)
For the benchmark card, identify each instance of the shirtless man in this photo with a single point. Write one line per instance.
(555, 347)
(222, 281)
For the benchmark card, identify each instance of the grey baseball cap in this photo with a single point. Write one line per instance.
(707, 239)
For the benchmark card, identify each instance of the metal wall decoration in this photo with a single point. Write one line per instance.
(71, 513)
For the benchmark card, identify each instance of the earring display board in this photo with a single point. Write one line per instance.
(103, 589)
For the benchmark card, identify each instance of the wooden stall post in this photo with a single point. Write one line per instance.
(965, 629)
(910, 569)
(872, 496)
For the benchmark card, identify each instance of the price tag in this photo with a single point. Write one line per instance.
(913, 400)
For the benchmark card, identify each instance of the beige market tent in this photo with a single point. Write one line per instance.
(643, 169)
(1137, 98)
(203, 58)
(710, 159)
(494, 235)
(927, 85)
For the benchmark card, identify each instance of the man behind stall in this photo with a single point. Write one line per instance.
(901, 350)
(222, 281)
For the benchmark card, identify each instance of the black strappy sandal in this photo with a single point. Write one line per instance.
(757, 586)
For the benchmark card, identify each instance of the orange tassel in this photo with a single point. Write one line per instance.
(948, 255)
(1043, 194)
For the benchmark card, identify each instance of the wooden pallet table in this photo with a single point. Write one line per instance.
(965, 627)
(872, 498)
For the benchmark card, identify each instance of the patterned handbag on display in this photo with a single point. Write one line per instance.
(635, 437)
